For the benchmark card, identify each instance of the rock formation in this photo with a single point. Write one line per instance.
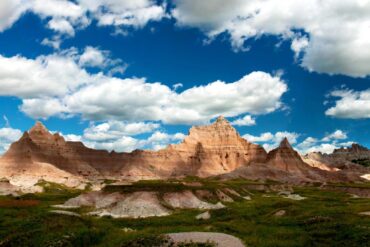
(286, 158)
(207, 151)
(341, 159)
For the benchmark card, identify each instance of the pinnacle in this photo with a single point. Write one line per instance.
(39, 131)
(285, 143)
(38, 127)
(222, 120)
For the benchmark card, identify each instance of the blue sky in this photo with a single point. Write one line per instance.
(137, 74)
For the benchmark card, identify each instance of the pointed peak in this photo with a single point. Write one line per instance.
(222, 120)
(39, 127)
(25, 135)
(39, 131)
(285, 143)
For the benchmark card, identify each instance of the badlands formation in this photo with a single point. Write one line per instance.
(213, 150)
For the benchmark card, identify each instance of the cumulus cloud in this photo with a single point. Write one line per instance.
(40, 77)
(337, 39)
(327, 144)
(129, 13)
(47, 90)
(65, 16)
(134, 99)
(95, 57)
(351, 104)
(336, 135)
(62, 26)
(247, 120)
(115, 129)
(270, 141)
(10, 11)
(121, 136)
(8, 135)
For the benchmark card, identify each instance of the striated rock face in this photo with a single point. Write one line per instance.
(207, 150)
(341, 159)
(286, 158)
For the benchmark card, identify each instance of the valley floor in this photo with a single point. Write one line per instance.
(326, 217)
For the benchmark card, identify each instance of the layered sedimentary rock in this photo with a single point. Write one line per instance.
(341, 159)
(286, 158)
(207, 150)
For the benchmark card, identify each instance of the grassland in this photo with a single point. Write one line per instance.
(325, 218)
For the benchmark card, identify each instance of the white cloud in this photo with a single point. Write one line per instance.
(62, 26)
(327, 148)
(352, 104)
(247, 120)
(72, 137)
(327, 144)
(10, 11)
(115, 129)
(338, 32)
(40, 77)
(129, 13)
(54, 42)
(336, 135)
(299, 44)
(94, 57)
(137, 100)
(68, 16)
(177, 86)
(159, 140)
(8, 135)
(122, 144)
(323, 148)
(264, 137)
(47, 90)
(43, 77)
(56, 8)
(42, 107)
(270, 141)
(118, 136)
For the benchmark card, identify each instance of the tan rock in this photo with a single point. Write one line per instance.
(223, 197)
(203, 216)
(187, 199)
(280, 213)
(135, 205)
(208, 150)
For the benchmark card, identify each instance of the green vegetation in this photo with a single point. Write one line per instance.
(325, 218)
(363, 162)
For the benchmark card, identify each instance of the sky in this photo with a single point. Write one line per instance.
(137, 74)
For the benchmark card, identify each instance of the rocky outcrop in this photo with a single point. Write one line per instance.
(286, 159)
(207, 150)
(136, 205)
(186, 199)
(343, 159)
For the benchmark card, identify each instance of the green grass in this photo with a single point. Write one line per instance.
(325, 218)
